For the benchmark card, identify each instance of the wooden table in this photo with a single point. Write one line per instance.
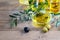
(6, 6)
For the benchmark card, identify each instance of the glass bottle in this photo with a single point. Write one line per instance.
(25, 2)
(54, 6)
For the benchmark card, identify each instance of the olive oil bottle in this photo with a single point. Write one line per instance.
(54, 6)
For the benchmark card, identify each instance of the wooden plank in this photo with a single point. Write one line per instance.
(8, 5)
(32, 35)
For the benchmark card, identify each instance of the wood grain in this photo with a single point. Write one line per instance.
(6, 6)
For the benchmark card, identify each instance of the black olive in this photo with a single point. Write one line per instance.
(26, 29)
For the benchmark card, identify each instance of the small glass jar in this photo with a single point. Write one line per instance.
(39, 20)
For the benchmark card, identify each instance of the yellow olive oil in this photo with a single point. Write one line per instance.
(40, 20)
(54, 6)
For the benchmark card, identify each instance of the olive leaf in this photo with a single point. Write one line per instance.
(46, 2)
